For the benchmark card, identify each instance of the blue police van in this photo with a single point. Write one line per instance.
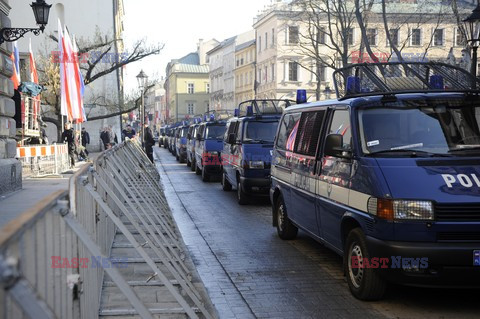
(208, 146)
(247, 147)
(181, 143)
(387, 175)
(192, 132)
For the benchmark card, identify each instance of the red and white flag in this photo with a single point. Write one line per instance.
(15, 57)
(33, 67)
(70, 79)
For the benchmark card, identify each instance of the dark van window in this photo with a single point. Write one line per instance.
(229, 130)
(215, 131)
(308, 132)
(341, 125)
(260, 131)
(287, 134)
(200, 130)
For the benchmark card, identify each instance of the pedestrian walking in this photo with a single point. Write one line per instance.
(149, 142)
(105, 137)
(85, 140)
(129, 132)
(68, 136)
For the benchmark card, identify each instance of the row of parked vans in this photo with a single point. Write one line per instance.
(387, 175)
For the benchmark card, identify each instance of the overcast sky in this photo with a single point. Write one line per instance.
(179, 24)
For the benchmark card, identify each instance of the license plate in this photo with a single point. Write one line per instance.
(476, 257)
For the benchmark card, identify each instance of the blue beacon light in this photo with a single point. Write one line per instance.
(301, 96)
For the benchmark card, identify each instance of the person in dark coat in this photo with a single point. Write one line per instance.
(105, 137)
(149, 142)
(85, 139)
(68, 136)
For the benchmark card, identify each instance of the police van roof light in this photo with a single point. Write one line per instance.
(301, 96)
(250, 110)
(436, 82)
(353, 84)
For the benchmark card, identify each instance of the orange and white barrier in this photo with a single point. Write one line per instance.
(47, 150)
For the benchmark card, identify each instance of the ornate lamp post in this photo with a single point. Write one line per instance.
(41, 10)
(472, 25)
(142, 79)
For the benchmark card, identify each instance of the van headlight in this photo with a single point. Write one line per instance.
(401, 209)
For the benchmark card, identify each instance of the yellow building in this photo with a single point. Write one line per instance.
(245, 72)
(187, 88)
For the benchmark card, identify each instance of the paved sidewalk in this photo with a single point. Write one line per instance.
(33, 191)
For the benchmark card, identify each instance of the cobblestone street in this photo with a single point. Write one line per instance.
(251, 273)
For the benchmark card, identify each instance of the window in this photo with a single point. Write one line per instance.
(241, 60)
(416, 37)
(394, 37)
(266, 74)
(321, 35)
(321, 73)
(273, 37)
(266, 40)
(351, 36)
(308, 131)
(190, 109)
(238, 63)
(288, 132)
(292, 35)
(292, 71)
(372, 36)
(191, 88)
(259, 44)
(207, 87)
(341, 125)
(459, 38)
(438, 36)
(273, 71)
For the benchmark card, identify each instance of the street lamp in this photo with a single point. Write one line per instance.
(41, 10)
(142, 79)
(471, 25)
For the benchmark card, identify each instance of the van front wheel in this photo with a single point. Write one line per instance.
(226, 186)
(285, 228)
(364, 283)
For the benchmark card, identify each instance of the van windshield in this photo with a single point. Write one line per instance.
(432, 127)
(183, 132)
(260, 131)
(215, 131)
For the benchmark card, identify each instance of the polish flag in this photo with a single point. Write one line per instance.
(66, 105)
(71, 79)
(15, 57)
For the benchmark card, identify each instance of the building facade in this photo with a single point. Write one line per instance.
(10, 168)
(245, 60)
(423, 30)
(187, 84)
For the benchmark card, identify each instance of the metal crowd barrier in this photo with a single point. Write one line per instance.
(43, 252)
(43, 160)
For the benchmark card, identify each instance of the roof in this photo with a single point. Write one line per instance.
(190, 68)
(222, 44)
(191, 58)
(244, 45)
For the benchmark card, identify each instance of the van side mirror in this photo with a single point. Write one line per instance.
(334, 147)
(231, 138)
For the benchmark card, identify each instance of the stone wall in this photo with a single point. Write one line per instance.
(10, 168)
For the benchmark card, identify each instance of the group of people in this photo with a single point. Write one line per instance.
(108, 137)
(76, 142)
